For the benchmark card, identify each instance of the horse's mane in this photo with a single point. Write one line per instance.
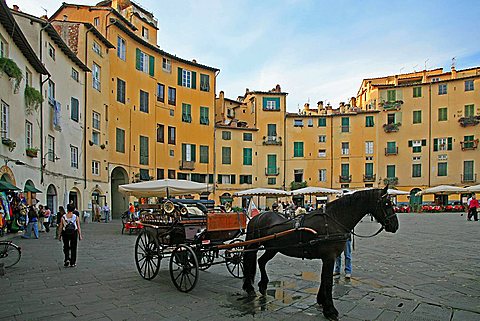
(350, 199)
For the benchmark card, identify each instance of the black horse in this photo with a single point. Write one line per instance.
(332, 229)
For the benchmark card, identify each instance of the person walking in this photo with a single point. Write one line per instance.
(32, 224)
(106, 211)
(41, 218)
(131, 211)
(472, 208)
(71, 232)
(46, 218)
(61, 212)
(347, 252)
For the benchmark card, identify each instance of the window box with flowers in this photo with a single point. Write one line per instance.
(10, 68)
(32, 152)
(469, 121)
(391, 105)
(33, 99)
(389, 128)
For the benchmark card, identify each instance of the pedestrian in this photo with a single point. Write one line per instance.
(131, 211)
(106, 211)
(70, 233)
(32, 223)
(468, 207)
(41, 218)
(347, 252)
(46, 219)
(61, 212)
(472, 208)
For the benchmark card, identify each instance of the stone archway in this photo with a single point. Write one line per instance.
(119, 177)
(52, 199)
(75, 197)
(415, 201)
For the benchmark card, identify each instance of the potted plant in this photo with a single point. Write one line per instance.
(33, 99)
(10, 68)
(32, 151)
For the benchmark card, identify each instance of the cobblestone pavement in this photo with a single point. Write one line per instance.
(428, 270)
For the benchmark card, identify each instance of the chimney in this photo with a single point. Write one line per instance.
(306, 106)
(65, 17)
(353, 102)
(16, 8)
(454, 72)
(194, 61)
(278, 89)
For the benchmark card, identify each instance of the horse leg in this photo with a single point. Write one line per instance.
(262, 262)
(249, 269)
(324, 296)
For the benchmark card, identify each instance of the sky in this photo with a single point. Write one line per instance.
(316, 50)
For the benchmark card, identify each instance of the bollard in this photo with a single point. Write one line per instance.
(2, 269)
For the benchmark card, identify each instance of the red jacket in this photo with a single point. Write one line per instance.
(473, 203)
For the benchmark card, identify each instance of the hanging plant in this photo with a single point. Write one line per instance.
(9, 67)
(33, 99)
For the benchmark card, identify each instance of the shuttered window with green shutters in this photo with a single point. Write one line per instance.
(247, 156)
(188, 152)
(417, 92)
(469, 110)
(186, 113)
(442, 169)
(144, 62)
(369, 121)
(226, 155)
(204, 120)
(143, 150)
(345, 170)
(271, 164)
(144, 101)
(322, 122)
(369, 169)
(417, 116)
(345, 124)
(75, 111)
(297, 149)
(187, 78)
(391, 171)
(271, 103)
(468, 171)
(442, 114)
(416, 170)
(120, 140)
(441, 144)
(203, 154)
(391, 95)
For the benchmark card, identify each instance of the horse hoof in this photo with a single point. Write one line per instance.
(251, 293)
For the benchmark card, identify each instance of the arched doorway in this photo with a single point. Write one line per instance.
(415, 201)
(31, 192)
(52, 201)
(119, 201)
(74, 198)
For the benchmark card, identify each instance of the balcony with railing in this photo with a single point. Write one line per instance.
(390, 128)
(345, 178)
(369, 177)
(468, 178)
(392, 181)
(469, 144)
(391, 151)
(272, 140)
(469, 121)
(272, 171)
(186, 165)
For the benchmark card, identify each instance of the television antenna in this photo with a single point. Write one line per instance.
(46, 11)
(426, 64)
(454, 61)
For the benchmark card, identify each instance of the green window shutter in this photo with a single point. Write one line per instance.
(151, 66)
(194, 80)
(184, 151)
(247, 156)
(232, 179)
(322, 122)
(410, 143)
(345, 170)
(179, 76)
(345, 121)
(137, 60)
(391, 95)
(193, 150)
(390, 171)
(272, 161)
(369, 169)
(449, 143)
(435, 144)
(424, 142)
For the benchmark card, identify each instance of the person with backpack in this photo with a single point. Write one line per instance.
(70, 233)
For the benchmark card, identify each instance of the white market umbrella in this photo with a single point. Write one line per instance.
(164, 188)
(311, 190)
(392, 191)
(475, 188)
(262, 192)
(443, 189)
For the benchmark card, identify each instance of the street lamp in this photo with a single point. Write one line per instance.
(17, 162)
(44, 161)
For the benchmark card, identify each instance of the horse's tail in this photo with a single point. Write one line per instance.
(249, 268)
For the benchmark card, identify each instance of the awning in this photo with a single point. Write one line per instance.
(32, 189)
(6, 186)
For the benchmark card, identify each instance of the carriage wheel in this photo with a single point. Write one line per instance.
(206, 259)
(9, 254)
(147, 255)
(234, 260)
(184, 268)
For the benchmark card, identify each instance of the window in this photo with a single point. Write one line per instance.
(369, 121)
(204, 82)
(310, 122)
(441, 144)
(203, 154)
(417, 116)
(5, 123)
(442, 169)
(96, 21)
(469, 85)
(345, 124)
(417, 92)
(391, 171)
(186, 113)
(51, 148)
(322, 175)
(468, 142)
(160, 92)
(74, 109)
(417, 145)
(160, 173)
(442, 89)
(145, 63)
(247, 137)
(95, 137)
(322, 138)
(28, 77)
(391, 95)
(271, 130)
(272, 165)
(97, 48)
(96, 120)
(143, 150)
(391, 119)
(391, 148)
(226, 155)
(435, 79)
(144, 33)
(188, 152)
(96, 168)
(3, 48)
(297, 149)
(121, 90)
(120, 140)
(469, 110)
(245, 179)
(73, 156)
(322, 153)
(226, 135)
(171, 135)
(272, 181)
(345, 148)
(144, 101)
(51, 92)
(160, 133)
(204, 119)
(468, 172)
(297, 123)
(369, 170)
(247, 156)
(166, 65)
(271, 103)
(442, 114)
(322, 122)
(368, 148)
(187, 78)
(172, 92)
(121, 48)
(226, 179)
(416, 170)
(171, 173)
(96, 76)
(345, 170)
(298, 175)
(28, 134)
(51, 51)
(74, 74)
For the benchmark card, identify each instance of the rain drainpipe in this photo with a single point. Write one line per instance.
(41, 106)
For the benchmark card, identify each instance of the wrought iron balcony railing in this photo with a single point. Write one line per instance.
(369, 177)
